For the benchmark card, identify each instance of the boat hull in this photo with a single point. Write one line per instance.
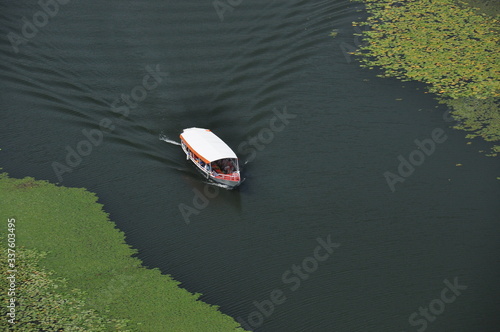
(229, 183)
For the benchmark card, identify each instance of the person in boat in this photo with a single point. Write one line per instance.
(216, 168)
(226, 166)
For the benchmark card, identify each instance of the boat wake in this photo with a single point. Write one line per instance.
(164, 138)
(218, 185)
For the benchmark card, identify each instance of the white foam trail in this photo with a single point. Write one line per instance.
(165, 139)
(220, 185)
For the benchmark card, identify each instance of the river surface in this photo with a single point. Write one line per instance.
(315, 133)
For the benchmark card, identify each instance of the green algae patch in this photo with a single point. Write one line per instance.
(447, 44)
(83, 258)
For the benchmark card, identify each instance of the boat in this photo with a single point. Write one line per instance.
(211, 156)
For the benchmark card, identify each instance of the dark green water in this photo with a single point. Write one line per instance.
(317, 174)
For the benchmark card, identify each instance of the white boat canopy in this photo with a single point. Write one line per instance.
(208, 146)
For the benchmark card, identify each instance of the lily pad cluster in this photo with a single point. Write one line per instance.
(448, 45)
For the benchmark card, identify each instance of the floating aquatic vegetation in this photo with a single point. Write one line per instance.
(444, 43)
